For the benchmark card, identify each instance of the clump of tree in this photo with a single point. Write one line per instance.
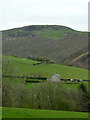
(45, 95)
(14, 95)
(41, 59)
(49, 95)
(84, 97)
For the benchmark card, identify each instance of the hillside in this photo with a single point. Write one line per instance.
(57, 43)
(19, 67)
(82, 60)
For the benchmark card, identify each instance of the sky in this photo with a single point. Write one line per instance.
(18, 13)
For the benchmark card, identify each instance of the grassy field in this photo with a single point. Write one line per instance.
(20, 60)
(34, 113)
(26, 67)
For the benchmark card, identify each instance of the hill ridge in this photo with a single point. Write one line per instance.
(43, 26)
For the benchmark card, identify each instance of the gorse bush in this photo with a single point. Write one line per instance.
(44, 95)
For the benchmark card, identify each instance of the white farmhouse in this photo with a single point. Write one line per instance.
(55, 78)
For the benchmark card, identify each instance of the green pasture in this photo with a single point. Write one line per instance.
(16, 81)
(75, 85)
(19, 60)
(34, 113)
(20, 67)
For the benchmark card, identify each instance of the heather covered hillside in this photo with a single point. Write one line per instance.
(59, 44)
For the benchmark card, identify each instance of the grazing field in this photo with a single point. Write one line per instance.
(20, 67)
(34, 113)
(19, 60)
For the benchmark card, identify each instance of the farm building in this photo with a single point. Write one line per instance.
(55, 78)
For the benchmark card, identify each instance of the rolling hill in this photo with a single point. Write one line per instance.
(59, 44)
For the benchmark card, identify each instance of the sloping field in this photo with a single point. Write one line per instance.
(26, 67)
(19, 60)
(34, 113)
